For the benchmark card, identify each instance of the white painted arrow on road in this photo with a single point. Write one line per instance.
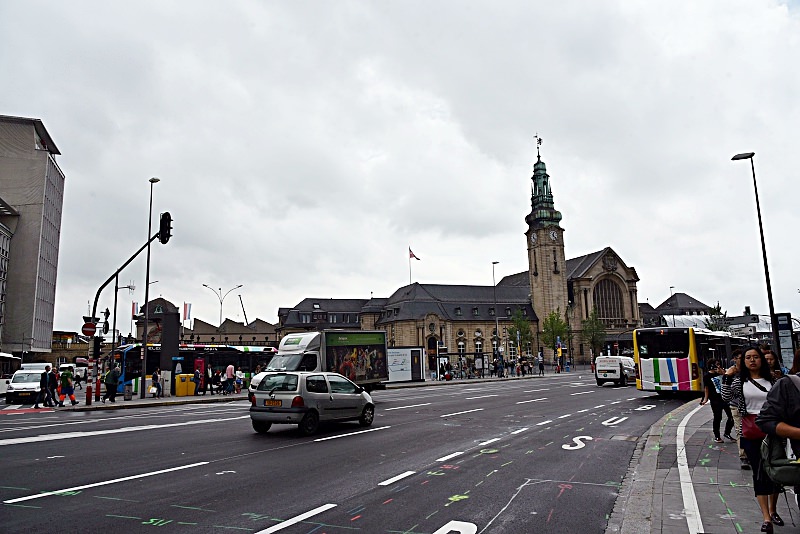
(613, 421)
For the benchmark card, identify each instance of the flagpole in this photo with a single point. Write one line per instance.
(409, 266)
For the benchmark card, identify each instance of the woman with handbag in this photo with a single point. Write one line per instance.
(749, 391)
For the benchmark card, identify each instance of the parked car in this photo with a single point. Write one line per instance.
(617, 369)
(23, 387)
(306, 398)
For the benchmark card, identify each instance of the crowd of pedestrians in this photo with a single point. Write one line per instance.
(757, 398)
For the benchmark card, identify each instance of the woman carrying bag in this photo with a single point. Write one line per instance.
(748, 390)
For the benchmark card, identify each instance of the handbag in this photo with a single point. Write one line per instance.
(749, 428)
(153, 389)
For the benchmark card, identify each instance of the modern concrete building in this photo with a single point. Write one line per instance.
(31, 197)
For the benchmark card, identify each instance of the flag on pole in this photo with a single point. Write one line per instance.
(411, 254)
(134, 309)
(187, 311)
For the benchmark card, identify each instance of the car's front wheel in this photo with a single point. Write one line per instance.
(261, 427)
(367, 416)
(599, 382)
(308, 426)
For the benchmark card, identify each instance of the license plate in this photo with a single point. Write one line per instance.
(25, 394)
(665, 383)
(272, 403)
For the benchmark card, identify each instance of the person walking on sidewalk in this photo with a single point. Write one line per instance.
(744, 463)
(67, 389)
(111, 380)
(749, 390)
(45, 392)
(712, 388)
(156, 381)
(230, 377)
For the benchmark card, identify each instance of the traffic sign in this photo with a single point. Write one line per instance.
(743, 320)
(88, 329)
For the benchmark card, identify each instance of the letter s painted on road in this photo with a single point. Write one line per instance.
(579, 444)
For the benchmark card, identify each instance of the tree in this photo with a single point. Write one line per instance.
(594, 332)
(523, 326)
(553, 327)
(716, 319)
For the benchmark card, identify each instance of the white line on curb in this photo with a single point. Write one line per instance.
(690, 507)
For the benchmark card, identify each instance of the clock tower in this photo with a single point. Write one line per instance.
(545, 237)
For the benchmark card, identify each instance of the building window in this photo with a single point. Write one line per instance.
(491, 312)
(508, 312)
(475, 311)
(494, 346)
(458, 311)
(462, 348)
(479, 346)
(607, 300)
(512, 351)
(396, 312)
(305, 317)
(332, 317)
(316, 305)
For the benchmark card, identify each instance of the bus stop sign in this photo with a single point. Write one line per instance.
(88, 329)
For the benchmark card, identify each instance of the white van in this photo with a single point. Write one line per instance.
(617, 369)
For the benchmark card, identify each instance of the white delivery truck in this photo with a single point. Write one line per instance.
(359, 355)
(617, 369)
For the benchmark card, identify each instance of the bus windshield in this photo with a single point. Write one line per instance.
(662, 343)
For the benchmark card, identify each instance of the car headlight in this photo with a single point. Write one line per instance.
(10, 388)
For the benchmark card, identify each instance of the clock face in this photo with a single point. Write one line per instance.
(533, 238)
(553, 235)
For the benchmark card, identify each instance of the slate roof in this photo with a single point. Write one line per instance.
(576, 268)
(679, 302)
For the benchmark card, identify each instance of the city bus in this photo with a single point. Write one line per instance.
(673, 359)
(190, 356)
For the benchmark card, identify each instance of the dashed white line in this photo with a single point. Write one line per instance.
(520, 431)
(535, 390)
(460, 413)
(582, 392)
(584, 410)
(449, 456)
(481, 397)
(544, 422)
(404, 407)
(532, 400)
(297, 519)
(563, 416)
(598, 406)
(615, 402)
(395, 479)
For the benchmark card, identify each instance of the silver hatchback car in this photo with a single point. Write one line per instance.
(306, 398)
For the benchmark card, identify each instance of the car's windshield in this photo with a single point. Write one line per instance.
(21, 378)
(278, 382)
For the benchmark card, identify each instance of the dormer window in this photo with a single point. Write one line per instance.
(508, 312)
(316, 305)
(458, 311)
(491, 312)
(475, 311)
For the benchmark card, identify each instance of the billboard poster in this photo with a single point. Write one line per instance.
(359, 356)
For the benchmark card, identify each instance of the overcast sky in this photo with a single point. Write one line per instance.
(303, 146)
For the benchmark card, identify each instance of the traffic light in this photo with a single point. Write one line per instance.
(165, 228)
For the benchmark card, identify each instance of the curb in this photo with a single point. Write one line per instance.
(171, 401)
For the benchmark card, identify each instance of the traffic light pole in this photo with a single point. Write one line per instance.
(95, 344)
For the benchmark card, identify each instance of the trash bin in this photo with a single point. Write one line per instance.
(127, 393)
(182, 385)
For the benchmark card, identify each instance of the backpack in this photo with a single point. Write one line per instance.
(780, 468)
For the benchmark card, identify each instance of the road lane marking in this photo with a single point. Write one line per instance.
(582, 392)
(693, 520)
(584, 410)
(535, 390)
(488, 442)
(544, 422)
(520, 431)
(598, 406)
(404, 407)
(395, 479)
(353, 433)
(449, 456)
(615, 402)
(297, 519)
(104, 483)
(70, 435)
(532, 400)
(481, 397)
(460, 413)
(563, 416)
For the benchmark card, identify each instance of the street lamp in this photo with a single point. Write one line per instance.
(221, 297)
(152, 181)
(775, 339)
(496, 340)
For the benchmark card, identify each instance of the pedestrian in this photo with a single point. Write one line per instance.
(712, 392)
(77, 379)
(52, 385)
(780, 415)
(749, 388)
(67, 389)
(45, 393)
(239, 379)
(230, 377)
(208, 383)
(111, 380)
(736, 361)
(541, 364)
(774, 364)
(197, 380)
(217, 383)
(156, 382)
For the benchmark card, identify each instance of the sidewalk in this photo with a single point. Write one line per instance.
(652, 498)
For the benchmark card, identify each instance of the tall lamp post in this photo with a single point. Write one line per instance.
(496, 340)
(221, 297)
(142, 395)
(775, 339)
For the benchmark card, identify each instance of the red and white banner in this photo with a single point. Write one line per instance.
(134, 310)
(187, 311)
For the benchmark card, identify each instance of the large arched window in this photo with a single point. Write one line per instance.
(607, 300)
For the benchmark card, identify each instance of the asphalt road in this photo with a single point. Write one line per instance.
(520, 456)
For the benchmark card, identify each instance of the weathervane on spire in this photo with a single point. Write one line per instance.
(538, 143)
